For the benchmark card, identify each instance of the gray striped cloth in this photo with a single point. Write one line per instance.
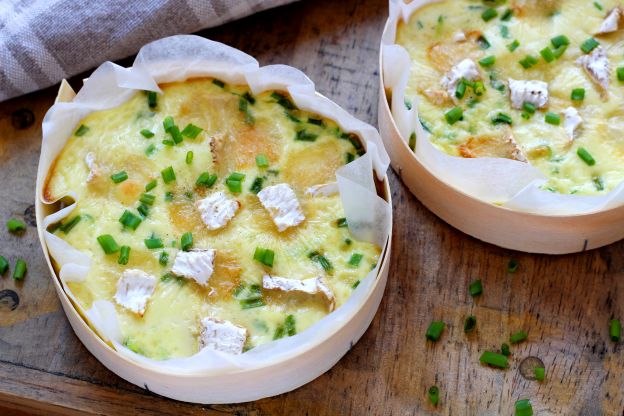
(44, 41)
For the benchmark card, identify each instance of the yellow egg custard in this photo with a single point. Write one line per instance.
(541, 82)
(210, 217)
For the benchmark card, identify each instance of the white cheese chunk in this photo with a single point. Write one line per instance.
(93, 168)
(611, 23)
(459, 36)
(312, 286)
(221, 335)
(134, 288)
(465, 69)
(596, 64)
(282, 204)
(195, 264)
(532, 91)
(571, 121)
(217, 210)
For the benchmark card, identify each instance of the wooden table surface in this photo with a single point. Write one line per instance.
(563, 302)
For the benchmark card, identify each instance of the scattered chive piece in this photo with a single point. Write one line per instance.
(243, 106)
(303, 135)
(67, 227)
(283, 101)
(168, 196)
(168, 142)
(620, 74)
(598, 183)
(512, 266)
(507, 15)
(504, 31)
(124, 255)
(322, 260)
(264, 256)
(470, 324)
(578, 94)
(505, 350)
(20, 270)
(478, 88)
(487, 61)
(341, 223)
(454, 115)
(586, 156)
(355, 259)
(561, 40)
(483, 42)
(254, 303)
(149, 150)
(174, 131)
(523, 408)
(489, 14)
(540, 373)
(529, 107)
(81, 131)
(412, 141)
(589, 45)
(518, 337)
(4, 265)
(547, 54)
(279, 332)
(168, 174)
(528, 61)
(502, 118)
(143, 210)
(163, 259)
(147, 133)
(191, 131)
(513, 45)
(168, 123)
(559, 51)
(186, 242)
(250, 98)
(434, 395)
(552, 118)
(460, 91)
(290, 325)
(598, 6)
(435, 330)
(108, 244)
(15, 226)
(152, 100)
(318, 121)
(262, 161)
(129, 220)
(355, 284)
(153, 243)
(218, 83)
(291, 117)
(256, 186)
(494, 359)
(189, 157)
(206, 180)
(615, 330)
(234, 182)
(119, 176)
(475, 288)
(147, 199)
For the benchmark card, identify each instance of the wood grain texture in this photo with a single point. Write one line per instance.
(563, 302)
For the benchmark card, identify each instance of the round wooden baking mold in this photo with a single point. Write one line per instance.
(504, 227)
(226, 387)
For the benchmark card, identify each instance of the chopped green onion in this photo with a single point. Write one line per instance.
(489, 14)
(290, 325)
(108, 244)
(615, 330)
(206, 180)
(341, 223)
(528, 61)
(149, 150)
(283, 101)
(598, 183)
(152, 99)
(119, 176)
(412, 144)
(470, 324)
(168, 174)
(487, 61)
(67, 227)
(460, 91)
(355, 284)
(502, 118)
(20, 270)
(189, 157)
(234, 182)
(586, 156)
(15, 226)
(129, 220)
(168, 142)
(494, 359)
(620, 74)
(598, 6)
(4, 265)
(504, 31)
(512, 266)
(174, 131)
(454, 115)
(252, 303)
(578, 94)
(559, 51)
(483, 42)
(529, 107)
(186, 242)
(291, 117)
(147, 133)
(589, 45)
(315, 121)
(303, 135)
(143, 210)
(434, 395)
(191, 131)
(523, 408)
(250, 98)
(153, 243)
(243, 106)
(478, 88)
(124, 255)
(81, 131)
(518, 337)
(475, 288)
(147, 199)
(507, 15)
(561, 40)
(355, 259)
(540, 373)
(322, 260)
(168, 196)
(435, 330)
(168, 123)
(256, 186)
(163, 259)
(505, 350)
(264, 256)
(262, 161)
(547, 54)
(513, 45)
(552, 118)
(218, 83)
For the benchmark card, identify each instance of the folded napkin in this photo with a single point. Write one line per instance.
(44, 41)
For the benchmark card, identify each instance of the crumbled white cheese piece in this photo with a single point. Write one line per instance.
(324, 189)
(282, 204)
(134, 288)
(571, 121)
(532, 91)
(596, 64)
(93, 168)
(312, 286)
(221, 335)
(195, 264)
(611, 23)
(217, 210)
(465, 69)
(459, 36)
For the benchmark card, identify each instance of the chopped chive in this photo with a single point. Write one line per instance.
(243, 107)
(512, 266)
(153, 243)
(502, 118)
(218, 83)
(250, 98)
(168, 196)
(147, 133)
(589, 45)
(168, 123)
(454, 115)
(528, 61)
(303, 135)
(513, 45)
(578, 94)
(290, 325)
(168, 142)
(355, 284)
(152, 100)
(434, 395)
(143, 210)
(264, 256)
(483, 42)
(620, 74)
(234, 182)
(435, 330)
(494, 359)
(15, 226)
(348, 241)
(252, 303)
(341, 223)
(108, 244)
(355, 259)
(124, 255)
(256, 186)
(505, 350)
(290, 116)
(529, 107)
(470, 323)
(129, 220)
(279, 332)
(174, 131)
(475, 288)
(189, 157)
(191, 131)
(283, 101)
(598, 6)
(547, 54)
(615, 330)
(460, 91)
(168, 174)
(315, 121)
(478, 88)
(262, 161)
(561, 40)
(518, 337)
(67, 227)
(489, 14)
(206, 180)
(505, 17)
(81, 131)
(186, 242)
(4, 265)
(322, 261)
(598, 183)
(163, 259)
(119, 176)
(487, 61)
(523, 408)
(504, 31)
(20, 270)
(559, 51)
(147, 199)
(540, 373)
(586, 156)
(552, 118)
(149, 150)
